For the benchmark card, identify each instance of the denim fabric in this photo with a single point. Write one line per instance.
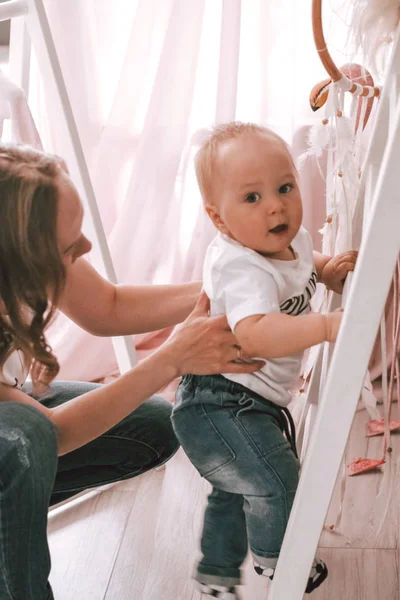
(31, 477)
(234, 439)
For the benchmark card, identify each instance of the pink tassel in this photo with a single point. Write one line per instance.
(361, 465)
(378, 427)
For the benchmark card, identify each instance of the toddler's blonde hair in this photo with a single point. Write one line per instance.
(206, 156)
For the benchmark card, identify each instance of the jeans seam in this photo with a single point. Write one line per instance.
(233, 454)
(256, 449)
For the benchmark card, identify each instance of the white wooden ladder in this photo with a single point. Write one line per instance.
(378, 254)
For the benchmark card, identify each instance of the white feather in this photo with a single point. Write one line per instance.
(317, 140)
(373, 24)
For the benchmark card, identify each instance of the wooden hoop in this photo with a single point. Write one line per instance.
(326, 59)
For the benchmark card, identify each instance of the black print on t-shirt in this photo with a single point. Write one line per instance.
(298, 304)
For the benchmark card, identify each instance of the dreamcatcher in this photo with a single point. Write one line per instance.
(347, 99)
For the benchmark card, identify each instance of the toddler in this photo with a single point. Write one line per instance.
(261, 271)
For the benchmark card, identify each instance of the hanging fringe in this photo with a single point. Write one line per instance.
(369, 399)
(339, 135)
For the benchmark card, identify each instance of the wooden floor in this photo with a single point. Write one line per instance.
(138, 540)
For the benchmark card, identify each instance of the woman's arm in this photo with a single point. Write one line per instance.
(105, 309)
(276, 334)
(86, 417)
(202, 345)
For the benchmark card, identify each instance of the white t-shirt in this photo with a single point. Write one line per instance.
(241, 283)
(14, 371)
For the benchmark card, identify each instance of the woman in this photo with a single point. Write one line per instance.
(91, 428)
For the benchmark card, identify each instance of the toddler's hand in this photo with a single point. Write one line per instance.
(332, 324)
(335, 271)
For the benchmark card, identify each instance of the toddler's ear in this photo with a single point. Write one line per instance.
(215, 217)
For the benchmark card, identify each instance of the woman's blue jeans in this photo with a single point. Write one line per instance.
(235, 440)
(32, 478)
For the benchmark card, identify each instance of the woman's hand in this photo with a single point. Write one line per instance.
(205, 345)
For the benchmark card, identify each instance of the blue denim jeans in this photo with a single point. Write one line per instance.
(235, 440)
(32, 478)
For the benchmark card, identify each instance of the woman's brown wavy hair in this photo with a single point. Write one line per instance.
(32, 274)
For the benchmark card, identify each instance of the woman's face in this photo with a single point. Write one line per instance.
(71, 241)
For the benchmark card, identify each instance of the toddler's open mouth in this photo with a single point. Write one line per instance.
(283, 227)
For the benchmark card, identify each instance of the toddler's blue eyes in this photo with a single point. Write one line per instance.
(285, 189)
(252, 198)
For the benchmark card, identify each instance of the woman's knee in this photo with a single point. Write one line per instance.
(28, 445)
(150, 425)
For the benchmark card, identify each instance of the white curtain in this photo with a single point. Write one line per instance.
(145, 78)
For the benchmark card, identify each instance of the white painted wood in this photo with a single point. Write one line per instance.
(20, 54)
(365, 305)
(306, 430)
(49, 66)
(12, 8)
(393, 96)
(317, 381)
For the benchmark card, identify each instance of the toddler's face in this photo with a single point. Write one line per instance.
(255, 195)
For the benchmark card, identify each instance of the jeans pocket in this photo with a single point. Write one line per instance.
(198, 429)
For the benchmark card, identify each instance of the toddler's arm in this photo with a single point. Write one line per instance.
(276, 334)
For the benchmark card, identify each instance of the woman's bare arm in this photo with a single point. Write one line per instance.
(202, 345)
(105, 309)
(84, 418)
